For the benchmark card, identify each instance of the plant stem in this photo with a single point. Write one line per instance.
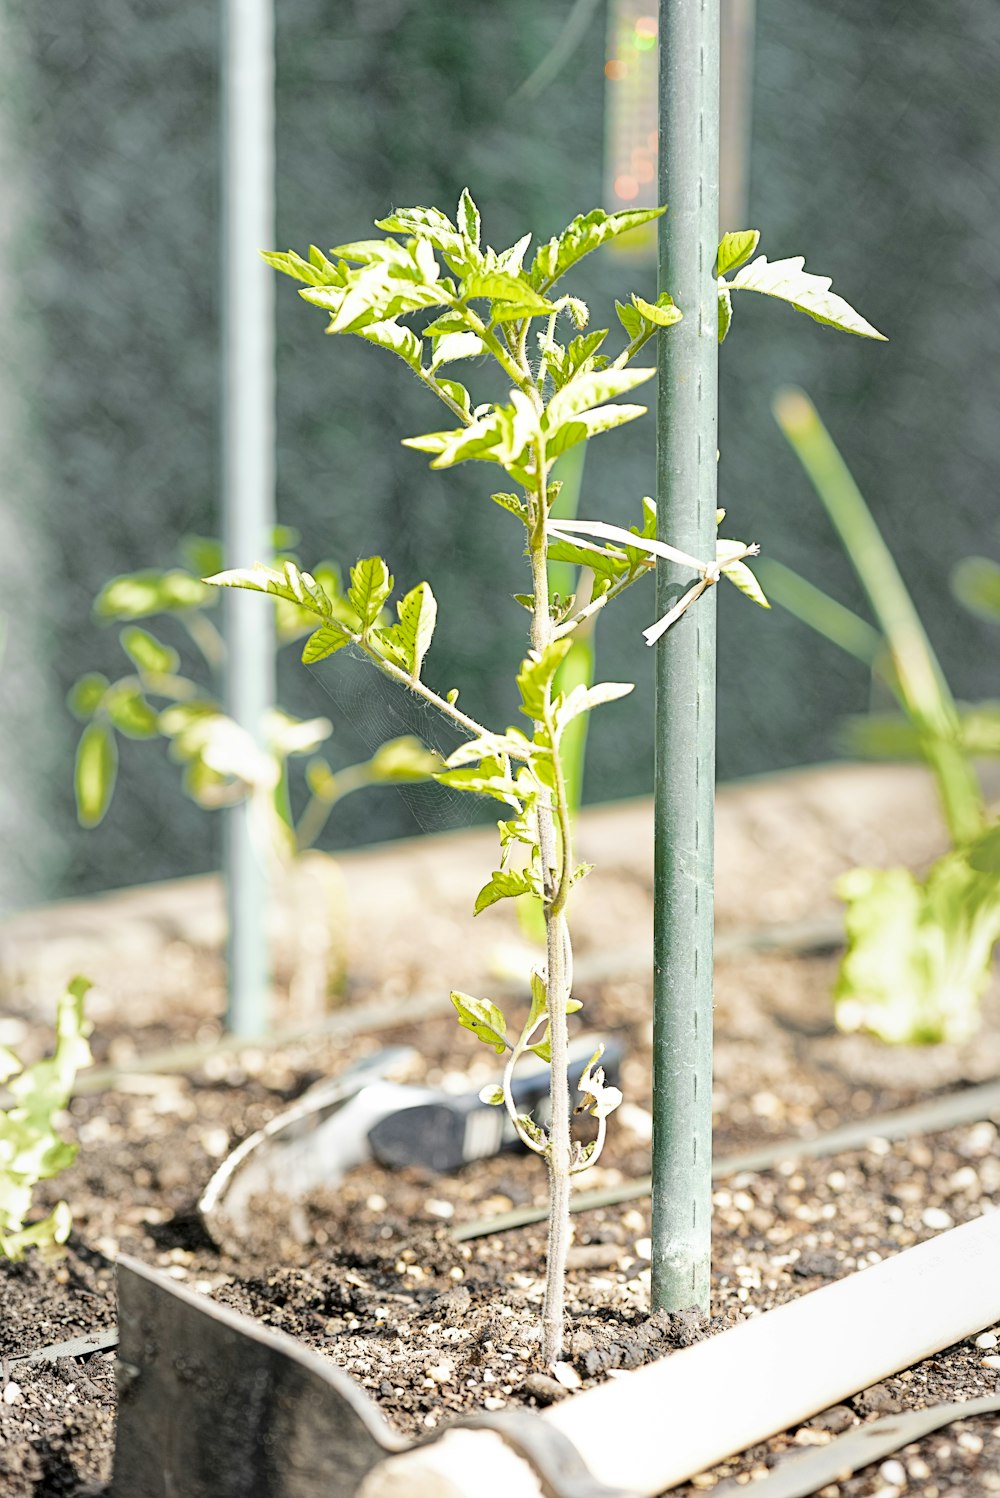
(414, 684)
(555, 863)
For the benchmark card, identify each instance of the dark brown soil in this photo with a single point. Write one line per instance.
(370, 1275)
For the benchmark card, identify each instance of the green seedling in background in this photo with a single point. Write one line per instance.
(31, 1148)
(220, 763)
(919, 951)
(557, 390)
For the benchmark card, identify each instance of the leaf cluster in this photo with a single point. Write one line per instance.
(31, 1147)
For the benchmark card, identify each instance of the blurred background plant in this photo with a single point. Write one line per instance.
(109, 380)
(31, 1147)
(220, 763)
(919, 950)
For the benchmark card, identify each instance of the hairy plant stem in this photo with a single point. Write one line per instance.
(556, 870)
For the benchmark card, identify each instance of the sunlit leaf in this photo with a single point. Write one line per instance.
(789, 281)
(95, 773)
(484, 1019)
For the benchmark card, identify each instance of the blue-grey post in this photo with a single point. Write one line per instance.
(248, 465)
(687, 422)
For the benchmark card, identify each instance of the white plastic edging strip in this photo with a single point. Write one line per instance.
(648, 1430)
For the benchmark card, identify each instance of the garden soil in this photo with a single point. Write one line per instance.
(370, 1275)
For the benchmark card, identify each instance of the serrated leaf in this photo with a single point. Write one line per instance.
(415, 631)
(458, 394)
(590, 424)
(371, 584)
(512, 259)
(286, 582)
(735, 248)
(604, 561)
(662, 313)
(147, 652)
(589, 389)
(468, 218)
(583, 699)
(84, 696)
(513, 504)
(399, 340)
(95, 773)
(790, 282)
(502, 286)
(475, 441)
(740, 574)
(536, 675)
(630, 319)
(484, 1019)
(586, 232)
(425, 223)
(490, 746)
(504, 884)
(289, 263)
(323, 642)
(490, 778)
(454, 346)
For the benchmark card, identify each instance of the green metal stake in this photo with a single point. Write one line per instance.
(687, 424)
(248, 467)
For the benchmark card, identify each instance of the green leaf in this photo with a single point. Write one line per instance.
(468, 218)
(287, 582)
(630, 318)
(590, 424)
(789, 281)
(289, 263)
(536, 675)
(491, 778)
(975, 582)
(425, 223)
(582, 699)
(662, 313)
(138, 594)
(484, 1019)
(202, 555)
(95, 773)
(403, 761)
(735, 248)
(323, 642)
(725, 310)
(585, 233)
(454, 346)
(413, 634)
(459, 395)
(512, 503)
(492, 1095)
(399, 340)
(919, 953)
(130, 713)
(85, 696)
(504, 885)
(589, 389)
(459, 446)
(539, 1000)
(147, 652)
(371, 584)
(741, 576)
(502, 286)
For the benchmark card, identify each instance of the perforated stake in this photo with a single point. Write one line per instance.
(687, 419)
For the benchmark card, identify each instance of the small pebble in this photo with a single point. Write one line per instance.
(987, 1341)
(441, 1373)
(12, 1393)
(918, 1469)
(440, 1208)
(893, 1472)
(937, 1219)
(990, 1362)
(969, 1441)
(567, 1375)
(543, 1390)
(494, 1402)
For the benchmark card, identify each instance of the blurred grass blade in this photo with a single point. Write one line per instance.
(824, 614)
(922, 686)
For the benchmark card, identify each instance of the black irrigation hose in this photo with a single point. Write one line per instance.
(955, 1108)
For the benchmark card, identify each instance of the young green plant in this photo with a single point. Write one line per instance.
(557, 390)
(221, 764)
(919, 951)
(31, 1148)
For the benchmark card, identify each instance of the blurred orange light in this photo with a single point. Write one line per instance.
(615, 69)
(646, 26)
(626, 188)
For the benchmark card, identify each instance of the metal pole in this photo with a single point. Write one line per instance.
(248, 463)
(687, 420)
